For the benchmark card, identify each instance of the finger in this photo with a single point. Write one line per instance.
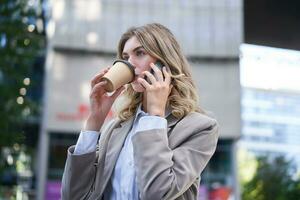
(170, 88)
(98, 88)
(157, 72)
(144, 83)
(103, 71)
(98, 77)
(150, 77)
(167, 75)
(168, 69)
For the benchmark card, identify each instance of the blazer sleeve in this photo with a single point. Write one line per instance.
(165, 173)
(79, 175)
(80, 170)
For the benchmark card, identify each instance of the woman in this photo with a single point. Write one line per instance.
(160, 142)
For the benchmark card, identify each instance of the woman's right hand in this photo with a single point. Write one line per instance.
(100, 102)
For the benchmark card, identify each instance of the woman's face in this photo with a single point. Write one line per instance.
(134, 53)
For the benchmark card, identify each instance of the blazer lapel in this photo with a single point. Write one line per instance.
(114, 147)
(172, 121)
(115, 144)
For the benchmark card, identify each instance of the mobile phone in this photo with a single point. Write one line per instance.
(158, 64)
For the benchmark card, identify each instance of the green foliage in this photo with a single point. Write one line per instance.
(274, 180)
(21, 42)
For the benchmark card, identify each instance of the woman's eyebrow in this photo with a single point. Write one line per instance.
(135, 49)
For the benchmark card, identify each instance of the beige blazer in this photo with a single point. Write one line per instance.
(168, 163)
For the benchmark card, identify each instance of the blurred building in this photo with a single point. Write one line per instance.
(83, 37)
(270, 101)
(271, 122)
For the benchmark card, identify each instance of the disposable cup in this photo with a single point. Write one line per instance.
(121, 73)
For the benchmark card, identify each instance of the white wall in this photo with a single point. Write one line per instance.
(209, 28)
(204, 28)
(219, 89)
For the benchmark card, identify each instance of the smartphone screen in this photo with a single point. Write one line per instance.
(159, 64)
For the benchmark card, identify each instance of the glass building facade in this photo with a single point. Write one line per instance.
(271, 122)
(270, 101)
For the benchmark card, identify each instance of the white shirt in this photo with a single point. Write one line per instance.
(123, 180)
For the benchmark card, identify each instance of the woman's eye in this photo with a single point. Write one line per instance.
(125, 58)
(140, 53)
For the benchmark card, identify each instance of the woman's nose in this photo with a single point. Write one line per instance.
(131, 61)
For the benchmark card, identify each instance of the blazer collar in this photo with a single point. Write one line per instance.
(117, 139)
(171, 119)
(114, 147)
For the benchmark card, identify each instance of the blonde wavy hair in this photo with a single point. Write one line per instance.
(161, 44)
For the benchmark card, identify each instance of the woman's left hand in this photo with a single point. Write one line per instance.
(157, 90)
